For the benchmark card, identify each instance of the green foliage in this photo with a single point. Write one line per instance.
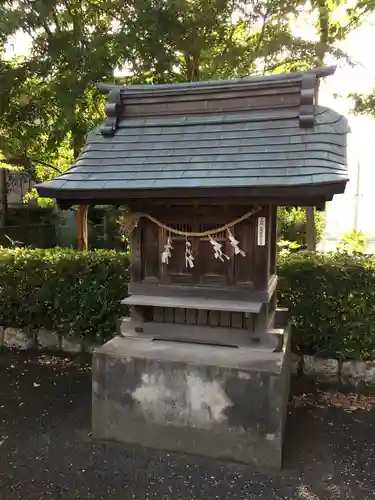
(284, 247)
(48, 101)
(331, 298)
(291, 225)
(32, 195)
(364, 104)
(353, 242)
(103, 229)
(206, 39)
(74, 293)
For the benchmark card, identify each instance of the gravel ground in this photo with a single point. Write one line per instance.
(46, 449)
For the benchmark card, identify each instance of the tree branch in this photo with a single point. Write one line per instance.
(324, 24)
(53, 167)
(356, 21)
(224, 52)
(109, 12)
(281, 63)
(226, 47)
(26, 162)
(73, 18)
(56, 20)
(260, 38)
(261, 35)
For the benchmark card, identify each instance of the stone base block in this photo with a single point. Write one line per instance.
(220, 402)
(323, 369)
(358, 372)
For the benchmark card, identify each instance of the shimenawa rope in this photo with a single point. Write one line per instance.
(129, 221)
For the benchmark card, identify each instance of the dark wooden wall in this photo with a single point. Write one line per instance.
(253, 270)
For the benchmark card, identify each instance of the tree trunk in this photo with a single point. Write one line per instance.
(192, 67)
(321, 50)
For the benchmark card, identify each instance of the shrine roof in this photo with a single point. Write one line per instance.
(248, 133)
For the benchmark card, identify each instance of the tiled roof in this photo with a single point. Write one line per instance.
(265, 146)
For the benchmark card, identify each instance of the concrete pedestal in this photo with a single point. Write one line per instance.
(219, 402)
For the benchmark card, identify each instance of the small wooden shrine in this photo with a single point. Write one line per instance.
(203, 271)
(202, 168)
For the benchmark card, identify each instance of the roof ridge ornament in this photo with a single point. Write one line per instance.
(307, 100)
(113, 110)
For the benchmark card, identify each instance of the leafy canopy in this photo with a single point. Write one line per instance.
(48, 101)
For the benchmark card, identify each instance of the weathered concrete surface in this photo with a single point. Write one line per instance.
(47, 451)
(211, 401)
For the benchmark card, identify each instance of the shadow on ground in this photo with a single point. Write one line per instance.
(46, 449)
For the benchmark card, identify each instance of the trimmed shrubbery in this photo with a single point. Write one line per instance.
(331, 297)
(73, 293)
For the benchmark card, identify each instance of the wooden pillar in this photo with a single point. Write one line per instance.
(82, 239)
(273, 242)
(262, 248)
(3, 196)
(310, 229)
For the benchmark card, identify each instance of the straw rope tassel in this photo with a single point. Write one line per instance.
(129, 221)
(189, 257)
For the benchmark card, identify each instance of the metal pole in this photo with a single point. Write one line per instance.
(357, 196)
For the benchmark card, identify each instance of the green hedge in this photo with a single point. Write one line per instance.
(331, 297)
(74, 293)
